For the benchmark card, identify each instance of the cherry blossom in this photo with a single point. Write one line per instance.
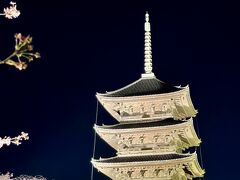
(11, 12)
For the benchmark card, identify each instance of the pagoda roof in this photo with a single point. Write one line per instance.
(156, 123)
(190, 161)
(143, 86)
(144, 158)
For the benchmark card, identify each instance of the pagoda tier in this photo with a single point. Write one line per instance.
(146, 99)
(163, 166)
(157, 136)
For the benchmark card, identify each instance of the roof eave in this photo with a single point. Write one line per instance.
(111, 130)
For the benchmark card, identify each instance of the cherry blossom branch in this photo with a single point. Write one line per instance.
(23, 53)
(9, 176)
(16, 140)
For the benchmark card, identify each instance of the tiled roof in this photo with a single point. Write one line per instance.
(162, 157)
(165, 122)
(143, 86)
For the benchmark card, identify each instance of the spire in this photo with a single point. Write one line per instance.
(147, 49)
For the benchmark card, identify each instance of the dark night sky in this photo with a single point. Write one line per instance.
(98, 46)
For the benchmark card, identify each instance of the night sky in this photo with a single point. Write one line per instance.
(90, 47)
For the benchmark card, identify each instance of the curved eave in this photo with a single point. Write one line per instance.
(195, 111)
(190, 138)
(195, 141)
(103, 129)
(195, 167)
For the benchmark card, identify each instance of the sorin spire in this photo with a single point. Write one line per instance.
(147, 49)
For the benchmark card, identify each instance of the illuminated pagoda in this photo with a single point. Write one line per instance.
(154, 130)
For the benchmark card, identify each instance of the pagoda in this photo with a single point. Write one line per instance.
(154, 130)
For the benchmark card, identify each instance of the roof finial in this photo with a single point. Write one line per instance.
(147, 49)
